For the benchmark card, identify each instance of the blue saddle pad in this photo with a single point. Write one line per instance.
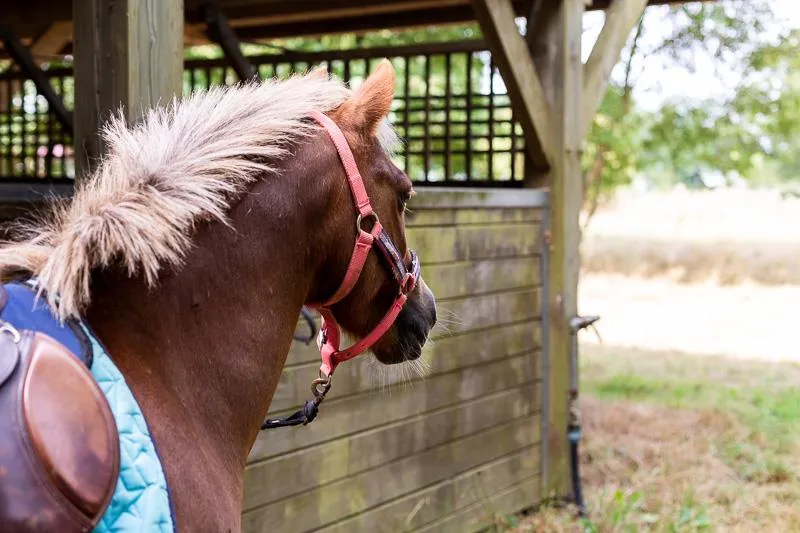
(24, 311)
(141, 499)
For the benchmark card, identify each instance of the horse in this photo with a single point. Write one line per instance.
(197, 239)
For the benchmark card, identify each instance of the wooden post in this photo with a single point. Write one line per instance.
(554, 39)
(128, 53)
(541, 37)
(546, 75)
(621, 17)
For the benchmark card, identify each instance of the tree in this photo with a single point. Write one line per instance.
(768, 102)
(625, 139)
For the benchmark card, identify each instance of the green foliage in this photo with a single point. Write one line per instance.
(610, 157)
(746, 132)
(700, 137)
(769, 101)
(381, 38)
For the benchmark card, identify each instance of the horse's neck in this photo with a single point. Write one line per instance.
(203, 352)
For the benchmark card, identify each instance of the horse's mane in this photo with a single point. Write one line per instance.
(180, 165)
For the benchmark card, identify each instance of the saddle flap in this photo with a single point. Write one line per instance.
(70, 426)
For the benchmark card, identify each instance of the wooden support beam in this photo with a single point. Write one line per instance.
(567, 200)
(510, 52)
(23, 58)
(54, 39)
(128, 54)
(555, 40)
(219, 31)
(621, 17)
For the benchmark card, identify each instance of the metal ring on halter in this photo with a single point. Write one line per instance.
(12, 331)
(320, 387)
(372, 215)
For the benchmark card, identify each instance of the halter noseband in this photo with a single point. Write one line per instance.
(330, 333)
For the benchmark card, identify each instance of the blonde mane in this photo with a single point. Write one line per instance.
(180, 165)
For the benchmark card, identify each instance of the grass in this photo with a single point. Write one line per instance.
(726, 236)
(678, 443)
(689, 442)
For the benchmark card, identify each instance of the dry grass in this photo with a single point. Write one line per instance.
(725, 236)
(652, 468)
(680, 443)
(725, 262)
(690, 403)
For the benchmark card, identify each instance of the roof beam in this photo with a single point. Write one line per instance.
(283, 18)
(221, 33)
(514, 60)
(621, 17)
(54, 39)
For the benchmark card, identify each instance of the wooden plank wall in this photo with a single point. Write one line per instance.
(442, 453)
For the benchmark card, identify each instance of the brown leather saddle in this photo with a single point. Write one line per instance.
(59, 446)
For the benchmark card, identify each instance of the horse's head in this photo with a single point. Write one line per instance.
(362, 120)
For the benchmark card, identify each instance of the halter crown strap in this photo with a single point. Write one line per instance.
(348, 161)
(365, 239)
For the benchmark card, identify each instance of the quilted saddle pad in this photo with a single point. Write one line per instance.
(141, 500)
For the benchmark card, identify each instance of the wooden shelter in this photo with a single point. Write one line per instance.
(498, 402)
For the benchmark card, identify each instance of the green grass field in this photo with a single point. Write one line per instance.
(680, 443)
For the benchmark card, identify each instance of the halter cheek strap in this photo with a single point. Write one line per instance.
(330, 335)
(330, 332)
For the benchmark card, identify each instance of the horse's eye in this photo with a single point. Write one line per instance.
(403, 200)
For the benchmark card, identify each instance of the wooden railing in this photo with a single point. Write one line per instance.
(451, 109)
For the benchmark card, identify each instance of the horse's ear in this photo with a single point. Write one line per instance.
(318, 73)
(372, 101)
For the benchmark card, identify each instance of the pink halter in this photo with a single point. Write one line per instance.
(330, 332)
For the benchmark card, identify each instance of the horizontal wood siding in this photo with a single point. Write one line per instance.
(395, 452)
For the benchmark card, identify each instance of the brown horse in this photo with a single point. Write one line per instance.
(194, 245)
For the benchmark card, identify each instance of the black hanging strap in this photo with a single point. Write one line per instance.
(304, 416)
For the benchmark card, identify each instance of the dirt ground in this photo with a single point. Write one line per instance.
(743, 321)
(712, 272)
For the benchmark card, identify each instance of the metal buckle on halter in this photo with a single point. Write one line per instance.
(372, 214)
(412, 275)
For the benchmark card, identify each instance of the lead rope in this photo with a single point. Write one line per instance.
(319, 388)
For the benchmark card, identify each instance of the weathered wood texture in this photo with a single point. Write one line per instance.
(565, 80)
(257, 19)
(439, 453)
(128, 54)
